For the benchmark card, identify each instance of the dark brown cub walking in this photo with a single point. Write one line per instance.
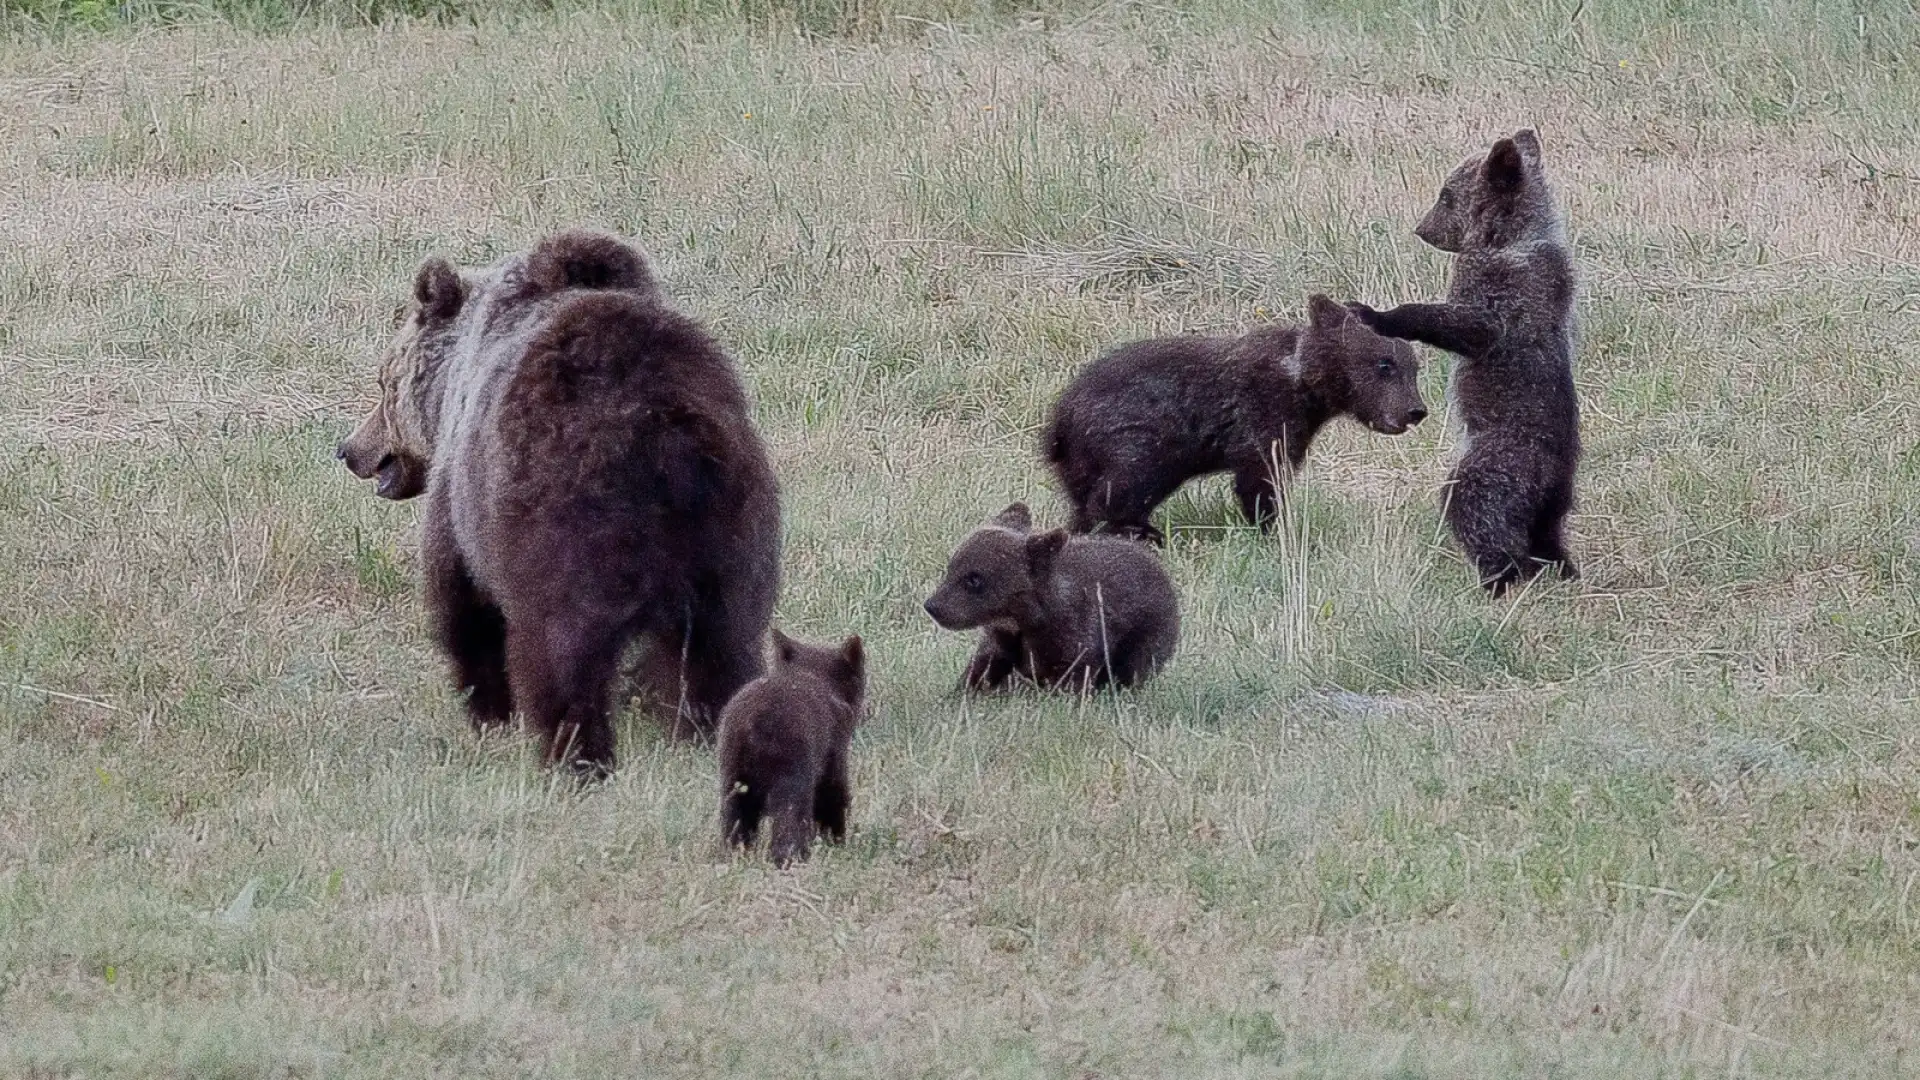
(1509, 317)
(784, 741)
(1147, 417)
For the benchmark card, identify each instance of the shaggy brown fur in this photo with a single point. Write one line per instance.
(1509, 317)
(1065, 612)
(591, 475)
(1144, 419)
(784, 742)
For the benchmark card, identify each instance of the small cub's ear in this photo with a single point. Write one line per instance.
(1324, 314)
(438, 289)
(1042, 549)
(587, 260)
(1505, 169)
(1016, 517)
(784, 649)
(1529, 143)
(854, 654)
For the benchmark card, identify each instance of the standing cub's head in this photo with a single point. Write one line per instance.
(393, 446)
(992, 576)
(1378, 378)
(844, 669)
(1493, 200)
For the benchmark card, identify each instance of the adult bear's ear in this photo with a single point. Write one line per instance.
(1016, 517)
(579, 259)
(1042, 549)
(438, 289)
(1528, 141)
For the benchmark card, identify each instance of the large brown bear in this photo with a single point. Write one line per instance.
(591, 475)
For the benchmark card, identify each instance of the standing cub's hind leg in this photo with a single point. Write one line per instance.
(1492, 517)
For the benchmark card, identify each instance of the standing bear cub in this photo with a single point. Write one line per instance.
(1147, 417)
(784, 742)
(1072, 613)
(1509, 317)
(591, 475)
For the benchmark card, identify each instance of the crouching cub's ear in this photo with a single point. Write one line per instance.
(580, 259)
(1042, 550)
(1016, 517)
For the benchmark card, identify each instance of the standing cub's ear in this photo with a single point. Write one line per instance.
(438, 289)
(1016, 517)
(1506, 170)
(1529, 143)
(784, 649)
(1042, 549)
(587, 260)
(853, 654)
(1324, 314)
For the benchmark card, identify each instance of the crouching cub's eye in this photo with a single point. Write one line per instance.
(1386, 368)
(974, 584)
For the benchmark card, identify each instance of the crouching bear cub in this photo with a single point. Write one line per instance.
(591, 476)
(1147, 417)
(1066, 612)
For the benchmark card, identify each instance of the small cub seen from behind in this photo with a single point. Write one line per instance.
(784, 741)
(1509, 317)
(1147, 417)
(1066, 612)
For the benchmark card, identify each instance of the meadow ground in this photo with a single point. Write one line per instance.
(1369, 824)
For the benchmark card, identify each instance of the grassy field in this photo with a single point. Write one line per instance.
(1368, 824)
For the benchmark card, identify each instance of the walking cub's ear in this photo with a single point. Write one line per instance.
(1529, 143)
(1016, 517)
(438, 290)
(785, 649)
(1505, 170)
(853, 652)
(1041, 551)
(1324, 314)
(579, 259)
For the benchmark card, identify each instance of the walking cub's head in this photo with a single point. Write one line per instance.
(1493, 200)
(393, 446)
(1376, 378)
(844, 669)
(992, 576)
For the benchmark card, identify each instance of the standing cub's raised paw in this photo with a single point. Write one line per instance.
(784, 741)
(1064, 612)
(1147, 417)
(1509, 317)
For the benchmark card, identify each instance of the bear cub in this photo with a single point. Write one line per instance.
(1147, 417)
(1509, 317)
(592, 475)
(1064, 612)
(784, 741)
